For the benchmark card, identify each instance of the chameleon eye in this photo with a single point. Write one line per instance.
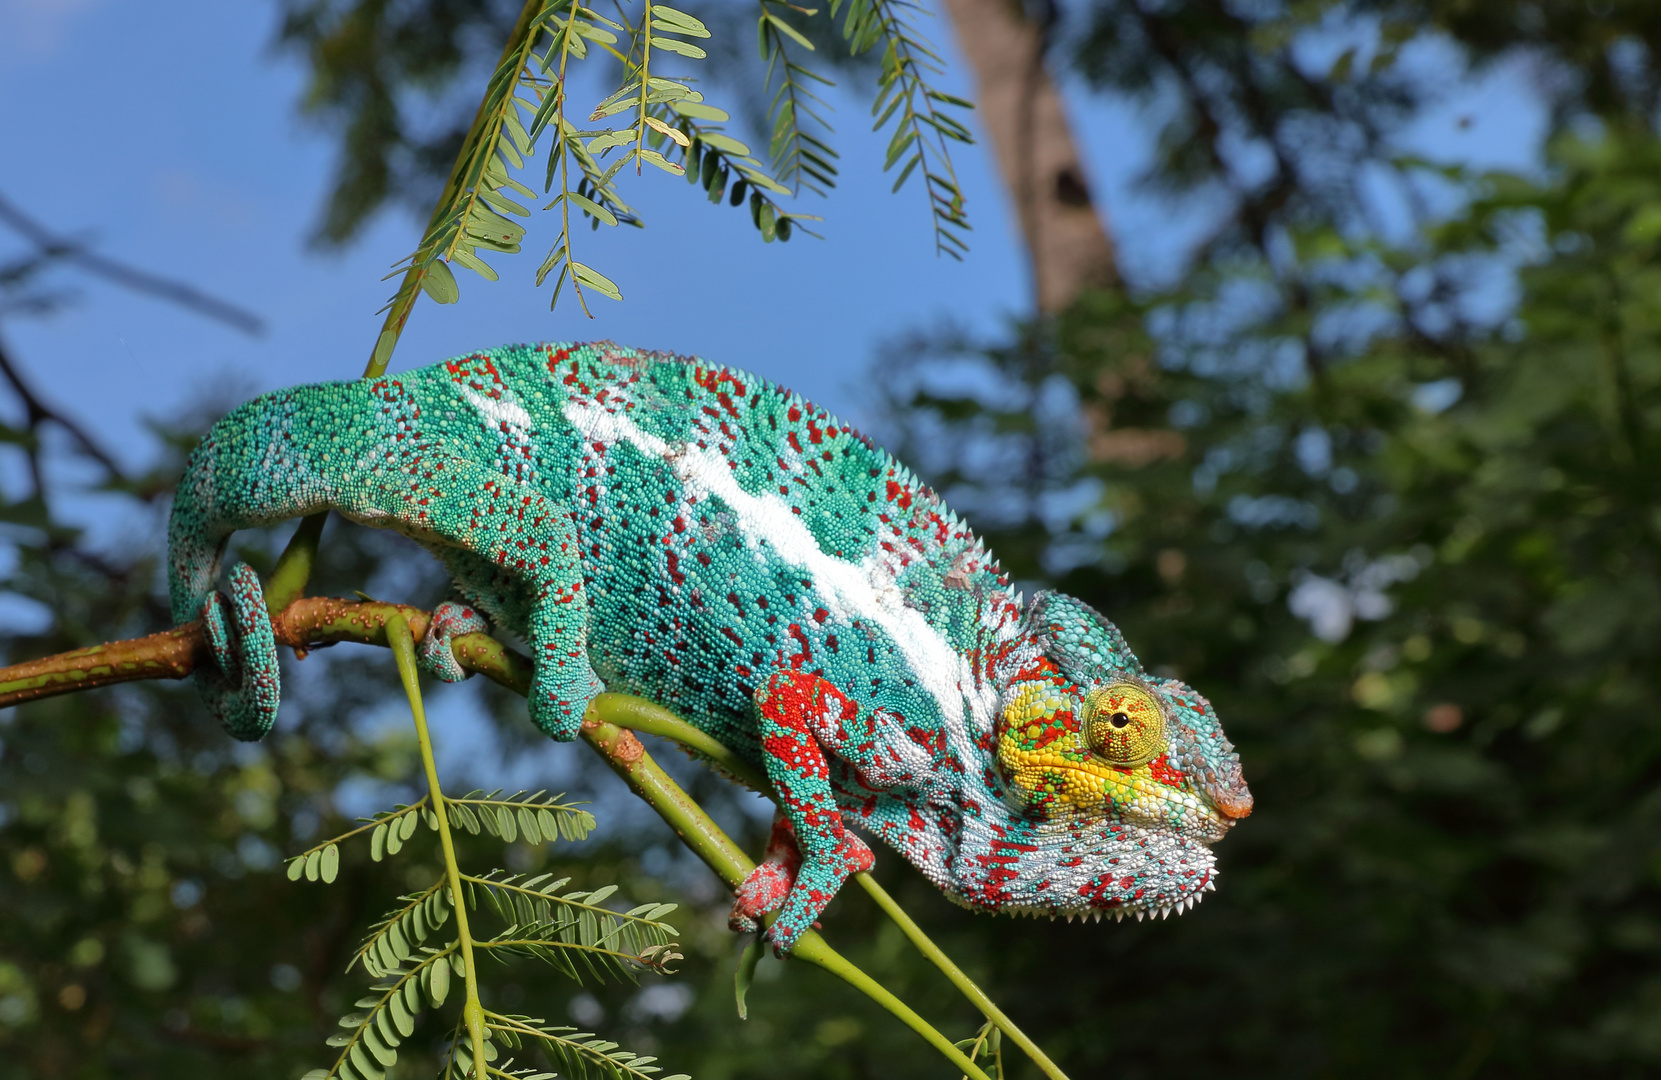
(1124, 724)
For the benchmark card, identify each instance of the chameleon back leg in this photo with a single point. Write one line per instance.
(450, 501)
(244, 692)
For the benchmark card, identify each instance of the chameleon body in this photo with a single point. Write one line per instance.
(694, 535)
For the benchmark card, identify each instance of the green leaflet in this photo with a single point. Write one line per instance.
(439, 283)
(745, 975)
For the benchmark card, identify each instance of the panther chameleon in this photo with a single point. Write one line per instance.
(660, 526)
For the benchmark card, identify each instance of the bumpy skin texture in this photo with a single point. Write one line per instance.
(697, 536)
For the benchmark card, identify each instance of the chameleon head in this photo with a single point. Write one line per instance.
(1113, 784)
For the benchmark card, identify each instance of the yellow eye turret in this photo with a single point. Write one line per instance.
(1124, 725)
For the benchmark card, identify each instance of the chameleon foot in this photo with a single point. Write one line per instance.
(450, 621)
(816, 883)
(798, 888)
(243, 693)
(768, 884)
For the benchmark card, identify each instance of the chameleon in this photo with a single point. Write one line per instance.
(666, 527)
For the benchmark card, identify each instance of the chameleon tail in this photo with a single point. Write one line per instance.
(246, 472)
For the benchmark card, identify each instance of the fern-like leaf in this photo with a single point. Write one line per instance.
(579, 1054)
(572, 931)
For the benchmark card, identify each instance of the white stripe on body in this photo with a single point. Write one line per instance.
(849, 591)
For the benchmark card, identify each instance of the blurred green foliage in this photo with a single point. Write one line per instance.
(1375, 471)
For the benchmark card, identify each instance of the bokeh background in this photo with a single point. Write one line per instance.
(1356, 430)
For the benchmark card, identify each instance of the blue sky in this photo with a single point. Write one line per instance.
(169, 134)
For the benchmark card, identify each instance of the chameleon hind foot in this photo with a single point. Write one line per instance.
(244, 692)
(450, 621)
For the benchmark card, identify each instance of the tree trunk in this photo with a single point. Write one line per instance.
(1021, 110)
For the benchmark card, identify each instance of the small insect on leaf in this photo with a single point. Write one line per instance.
(329, 864)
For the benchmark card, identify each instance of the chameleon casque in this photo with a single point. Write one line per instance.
(663, 527)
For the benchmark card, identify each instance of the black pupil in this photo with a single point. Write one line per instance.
(1118, 720)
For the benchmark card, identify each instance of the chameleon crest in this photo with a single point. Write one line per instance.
(692, 534)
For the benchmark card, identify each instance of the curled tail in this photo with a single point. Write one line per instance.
(250, 470)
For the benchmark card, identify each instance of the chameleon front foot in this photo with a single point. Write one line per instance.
(244, 692)
(768, 884)
(797, 888)
(450, 621)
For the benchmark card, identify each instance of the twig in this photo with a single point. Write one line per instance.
(130, 277)
(38, 412)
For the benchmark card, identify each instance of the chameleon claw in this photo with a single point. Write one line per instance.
(435, 650)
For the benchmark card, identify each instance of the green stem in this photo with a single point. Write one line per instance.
(472, 1012)
(288, 581)
(629, 760)
(638, 714)
(815, 950)
(965, 985)
(641, 715)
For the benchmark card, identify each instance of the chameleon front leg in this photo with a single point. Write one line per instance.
(797, 713)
